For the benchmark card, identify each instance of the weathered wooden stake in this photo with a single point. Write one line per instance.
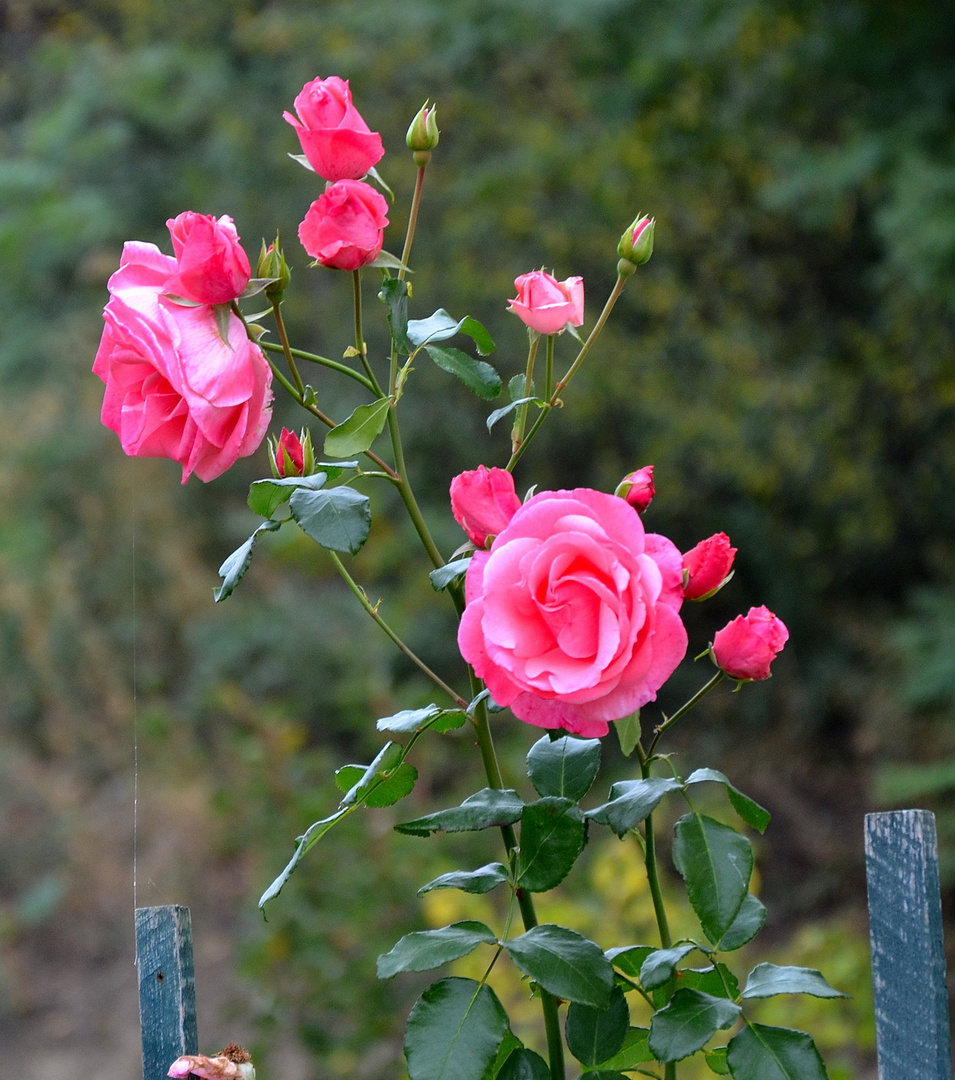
(167, 987)
(908, 958)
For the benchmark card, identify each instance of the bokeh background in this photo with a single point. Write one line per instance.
(786, 360)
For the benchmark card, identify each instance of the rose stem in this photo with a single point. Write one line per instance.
(272, 346)
(359, 334)
(549, 366)
(518, 436)
(283, 337)
(571, 371)
(683, 710)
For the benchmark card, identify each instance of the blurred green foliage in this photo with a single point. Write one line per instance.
(786, 360)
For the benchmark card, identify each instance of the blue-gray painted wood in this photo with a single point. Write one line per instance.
(908, 959)
(167, 987)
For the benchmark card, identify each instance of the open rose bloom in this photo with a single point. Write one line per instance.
(334, 137)
(174, 387)
(572, 617)
(211, 265)
(547, 305)
(343, 228)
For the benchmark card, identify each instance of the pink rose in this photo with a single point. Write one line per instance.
(211, 267)
(483, 501)
(174, 388)
(343, 227)
(220, 1067)
(289, 446)
(335, 139)
(572, 617)
(707, 566)
(546, 304)
(638, 488)
(745, 647)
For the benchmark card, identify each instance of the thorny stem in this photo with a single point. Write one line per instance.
(683, 710)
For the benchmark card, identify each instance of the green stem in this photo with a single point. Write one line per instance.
(549, 366)
(300, 354)
(286, 348)
(412, 221)
(406, 493)
(518, 436)
(372, 610)
(359, 334)
(683, 710)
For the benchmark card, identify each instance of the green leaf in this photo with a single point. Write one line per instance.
(717, 979)
(454, 1031)
(388, 759)
(716, 1060)
(481, 880)
(384, 260)
(311, 836)
(603, 1074)
(633, 1052)
(477, 375)
(747, 924)
(431, 716)
(339, 518)
(688, 1022)
(566, 766)
(660, 965)
(716, 863)
(348, 775)
(632, 801)
(356, 434)
(394, 294)
(485, 809)
(515, 387)
(629, 958)
(393, 787)
(759, 1052)
(426, 949)
(509, 1045)
(594, 1035)
(767, 980)
(748, 809)
(441, 326)
(498, 414)
(628, 732)
(524, 1064)
(238, 562)
(552, 836)
(445, 575)
(564, 963)
(377, 784)
(266, 496)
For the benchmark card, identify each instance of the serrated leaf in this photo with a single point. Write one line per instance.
(426, 949)
(394, 294)
(552, 836)
(564, 767)
(311, 836)
(485, 809)
(756, 816)
(408, 720)
(716, 1060)
(634, 1051)
(477, 375)
(348, 776)
(717, 979)
(386, 760)
(628, 732)
(760, 1052)
(266, 496)
(524, 1064)
(392, 788)
(515, 387)
(454, 1031)
(338, 518)
(594, 1035)
(767, 980)
(632, 801)
(499, 414)
(440, 326)
(564, 963)
(747, 924)
(509, 1044)
(356, 434)
(444, 575)
(235, 566)
(716, 863)
(629, 958)
(482, 880)
(660, 965)
(688, 1022)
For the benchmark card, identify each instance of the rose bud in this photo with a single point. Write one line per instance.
(291, 454)
(272, 266)
(335, 139)
(483, 501)
(423, 134)
(637, 488)
(546, 304)
(745, 647)
(211, 267)
(636, 244)
(343, 228)
(707, 567)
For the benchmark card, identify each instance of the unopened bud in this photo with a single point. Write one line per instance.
(291, 454)
(423, 134)
(272, 265)
(637, 488)
(636, 244)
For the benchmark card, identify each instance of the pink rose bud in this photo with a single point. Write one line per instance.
(335, 139)
(546, 304)
(483, 501)
(211, 267)
(344, 227)
(706, 568)
(287, 455)
(745, 647)
(636, 244)
(637, 488)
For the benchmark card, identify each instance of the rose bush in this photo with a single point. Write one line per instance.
(211, 266)
(343, 228)
(334, 137)
(572, 617)
(745, 647)
(483, 501)
(547, 305)
(174, 388)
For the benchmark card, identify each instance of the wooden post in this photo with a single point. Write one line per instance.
(167, 987)
(908, 959)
